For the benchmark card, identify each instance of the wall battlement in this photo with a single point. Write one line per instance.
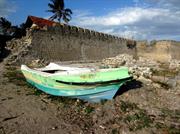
(62, 42)
(81, 32)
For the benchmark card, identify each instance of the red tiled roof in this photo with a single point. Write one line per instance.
(41, 22)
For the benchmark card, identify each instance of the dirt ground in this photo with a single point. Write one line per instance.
(140, 107)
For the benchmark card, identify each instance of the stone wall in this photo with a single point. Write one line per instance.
(64, 43)
(162, 51)
(175, 50)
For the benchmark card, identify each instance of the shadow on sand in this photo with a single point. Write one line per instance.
(130, 85)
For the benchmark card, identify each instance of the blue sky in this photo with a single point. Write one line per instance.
(22, 8)
(137, 19)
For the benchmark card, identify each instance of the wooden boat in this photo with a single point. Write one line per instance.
(84, 83)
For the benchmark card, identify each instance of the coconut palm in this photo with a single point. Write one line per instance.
(57, 8)
(4, 25)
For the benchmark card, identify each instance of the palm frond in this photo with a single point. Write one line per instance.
(53, 17)
(65, 18)
(52, 11)
(59, 14)
(57, 7)
(53, 1)
(5, 23)
(68, 10)
(68, 15)
(51, 6)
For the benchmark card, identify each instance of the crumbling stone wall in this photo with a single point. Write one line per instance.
(175, 50)
(163, 51)
(63, 43)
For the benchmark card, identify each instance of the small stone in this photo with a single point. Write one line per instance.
(102, 127)
(53, 128)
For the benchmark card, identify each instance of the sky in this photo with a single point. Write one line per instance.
(135, 19)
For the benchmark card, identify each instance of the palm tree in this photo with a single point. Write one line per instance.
(4, 25)
(57, 7)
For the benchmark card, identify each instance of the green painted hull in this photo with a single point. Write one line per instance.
(92, 86)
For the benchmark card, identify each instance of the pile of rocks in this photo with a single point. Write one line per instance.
(119, 60)
(137, 72)
(147, 70)
(144, 67)
(144, 62)
(19, 48)
(21, 52)
(140, 67)
(174, 64)
(17, 44)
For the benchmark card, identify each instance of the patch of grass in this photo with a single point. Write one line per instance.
(37, 92)
(15, 76)
(170, 116)
(2, 131)
(103, 101)
(30, 85)
(88, 109)
(177, 112)
(114, 131)
(173, 130)
(135, 117)
(34, 90)
(80, 104)
(166, 112)
(170, 113)
(165, 72)
(168, 129)
(138, 120)
(127, 106)
(59, 99)
(160, 125)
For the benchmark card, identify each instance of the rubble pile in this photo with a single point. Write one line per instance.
(144, 62)
(140, 67)
(119, 60)
(144, 69)
(19, 48)
(174, 64)
(21, 53)
(18, 44)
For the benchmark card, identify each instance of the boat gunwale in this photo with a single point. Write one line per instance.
(83, 83)
(45, 74)
(95, 83)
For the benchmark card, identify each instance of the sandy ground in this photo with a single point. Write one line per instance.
(139, 107)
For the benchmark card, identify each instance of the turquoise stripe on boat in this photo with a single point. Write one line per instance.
(77, 92)
(102, 93)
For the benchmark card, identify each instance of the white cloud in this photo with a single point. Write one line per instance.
(6, 7)
(137, 22)
(122, 17)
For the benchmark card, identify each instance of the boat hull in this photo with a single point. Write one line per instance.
(93, 92)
